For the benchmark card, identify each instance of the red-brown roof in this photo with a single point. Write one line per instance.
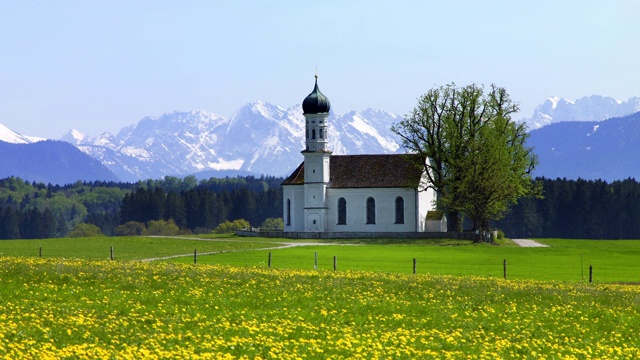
(368, 171)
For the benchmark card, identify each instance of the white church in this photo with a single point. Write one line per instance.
(354, 193)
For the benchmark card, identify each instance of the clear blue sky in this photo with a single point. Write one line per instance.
(100, 65)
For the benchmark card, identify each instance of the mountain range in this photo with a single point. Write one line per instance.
(262, 138)
(588, 108)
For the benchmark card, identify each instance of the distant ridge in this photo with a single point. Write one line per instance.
(607, 150)
(49, 161)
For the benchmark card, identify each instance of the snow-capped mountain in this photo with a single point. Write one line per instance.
(74, 137)
(10, 136)
(259, 138)
(588, 108)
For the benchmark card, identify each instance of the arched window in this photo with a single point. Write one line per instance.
(342, 211)
(399, 210)
(313, 134)
(288, 212)
(320, 134)
(371, 210)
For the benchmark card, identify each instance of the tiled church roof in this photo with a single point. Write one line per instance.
(368, 171)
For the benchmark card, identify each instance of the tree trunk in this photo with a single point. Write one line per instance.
(455, 222)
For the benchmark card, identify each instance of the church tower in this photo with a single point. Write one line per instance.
(315, 108)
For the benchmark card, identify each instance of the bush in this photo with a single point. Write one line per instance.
(85, 230)
(161, 227)
(273, 224)
(500, 234)
(229, 227)
(131, 228)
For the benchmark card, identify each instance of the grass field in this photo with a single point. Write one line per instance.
(60, 308)
(565, 260)
(125, 248)
(67, 304)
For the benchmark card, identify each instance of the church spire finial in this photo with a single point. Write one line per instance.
(316, 102)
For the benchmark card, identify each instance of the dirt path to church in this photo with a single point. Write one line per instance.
(528, 243)
(275, 246)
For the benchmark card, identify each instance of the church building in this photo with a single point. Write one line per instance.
(352, 193)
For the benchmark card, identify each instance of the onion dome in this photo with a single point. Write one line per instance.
(316, 102)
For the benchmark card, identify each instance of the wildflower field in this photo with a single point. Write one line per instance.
(87, 309)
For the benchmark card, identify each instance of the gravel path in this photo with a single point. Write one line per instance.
(528, 243)
(274, 246)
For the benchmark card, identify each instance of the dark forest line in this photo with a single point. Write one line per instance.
(577, 209)
(35, 210)
(574, 209)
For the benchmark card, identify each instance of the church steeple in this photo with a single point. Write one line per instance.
(315, 108)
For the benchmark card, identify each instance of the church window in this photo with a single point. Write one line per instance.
(288, 212)
(371, 210)
(342, 211)
(320, 134)
(399, 210)
(313, 134)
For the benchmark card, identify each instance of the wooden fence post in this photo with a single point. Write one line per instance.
(335, 263)
(40, 251)
(269, 262)
(315, 262)
(195, 255)
(112, 253)
(504, 265)
(414, 266)
(590, 273)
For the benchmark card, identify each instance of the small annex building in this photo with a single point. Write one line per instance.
(352, 193)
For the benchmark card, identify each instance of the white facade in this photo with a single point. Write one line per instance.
(415, 205)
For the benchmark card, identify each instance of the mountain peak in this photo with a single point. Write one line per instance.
(74, 137)
(10, 136)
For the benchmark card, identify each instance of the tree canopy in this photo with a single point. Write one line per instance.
(476, 155)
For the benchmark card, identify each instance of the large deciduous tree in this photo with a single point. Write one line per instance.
(476, 157)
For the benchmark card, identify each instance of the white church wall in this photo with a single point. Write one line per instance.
(426, 202)
(385, 209)
(296, 194)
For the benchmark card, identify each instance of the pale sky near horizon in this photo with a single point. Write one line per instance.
(98, 66)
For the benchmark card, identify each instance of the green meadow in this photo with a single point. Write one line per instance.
(564, 260)
(153, 302)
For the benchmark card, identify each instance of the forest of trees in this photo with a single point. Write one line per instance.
(567, 209)
(577, 209)
(35, 210)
